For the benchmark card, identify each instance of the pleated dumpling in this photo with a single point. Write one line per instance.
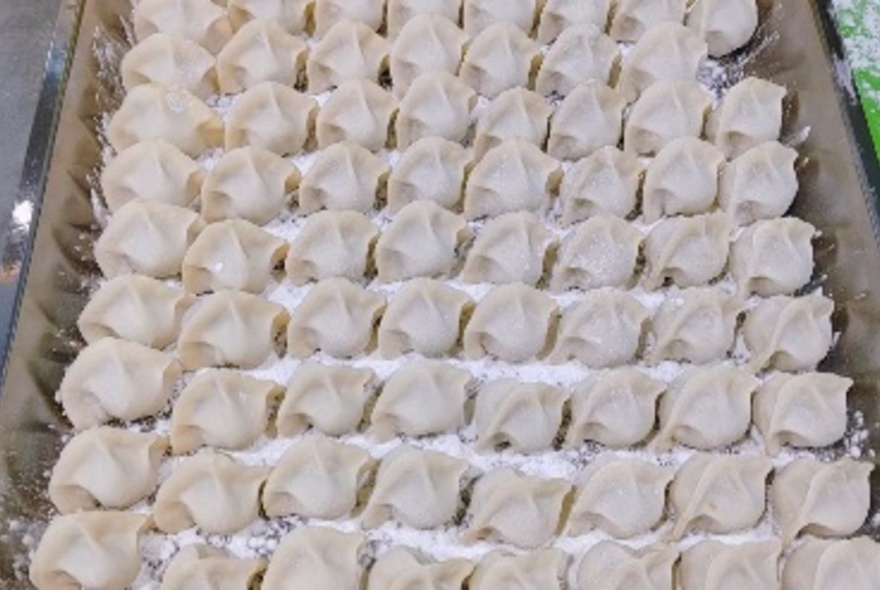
(818, 563)
(222, 409)
(821, 499)
(437, 104)
(604, 329)
(558, 16)
(431, 169)
(210, 491)
(134, 308)
(749, 115)
(725, 25)
(348, 51)
(515, 113)
(421, 241)
(231, 328)
(428, 43)
(197, 564)
(421, 398)
(328, 13)
(359, 111)
(153, 111)
(789, 333)
(499, 57)
(759, 184)
(713, 565)
(260, 51)
(480, 14)
(806, 410)
(232, 254)
(511, 248)
(331, 244)
(344, 176)
(273, 117)
(665, 111)
(524, 417)
(601, 252)
(425, 317)
(616, 408)
(689, 251)
(115, 379)
(289, 14)
(415, 487)
(632, 18)
(317, 477)
(589, 118)
(105, 467)
(328, 398)
(400, 13)
(511, 323)
(89, 550)
(522, 510)
(682, 179)
(773, 256)
(543, 569)
(690, 408)
(605, 182)
(719, 493)
(201, 21)
(619, 567)
(317, 558)
(581, 54)
(513, 176)
(405, 568)
(695, 325)
(336, 317)
(171, 61)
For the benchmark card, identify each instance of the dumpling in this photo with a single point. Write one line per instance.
(249, 183)
(605, 182)
(431, 169)
(89, 550)
(749, 115)
(291, 15)
(695, 325)
(759, 184)
(222, 409)
(600, 252)
(429, 43)
(359, 111)
(415, 487)
(806, 410)
(273, 117)
(690, 251)
(261, 51)
(513, 176)
(682, 179)
(817, 563)
(336, 317)
(146, 237)
(789, 333)
(616, 408)
(667, 52)
(421, 398)
(521, 510)
(713, 565)
(511, 248)
(134, 308)
(152, 111)
(115, 379)
(210, 568)
(524, 417)
(481, 14)
(401, 12)
(514, 113)
(331, 244)
(773, 257)
(106, 467)
(344, 176)
(558, 16)
(499, 57)
(617, 567)
(543, 569)
(425, 317)
(201, 21)
(725, 25)
(327, 13)
(821, 499)
(349, 51)
(581, 54)
(317, 477)
(211, 491)
(437, 104)
(511, 323)
(422, 240)
(329, 398)
(231, 328)
(404, 568)
(232, 254)
(603, 329)
(632, 18)
(170, 61)
(665, 111)
(719, 493)
(317, 558)
(589, 118)
(151, 170)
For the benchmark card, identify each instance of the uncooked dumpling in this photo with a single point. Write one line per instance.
(317, 558)
(543, 569)
(749, 115)
(401, 12)
(618, 567)
(589, 118)
(171, 61)
(713, 565)
(514, 113)
(261, 51)
(853, 564)
(695, 325)
(331, 244)
(759, 184)
(429, 43)
(349, 51)
(273, 117)
(773, 256)
(509, 249)
(437, 104)
(289, 14)
(690, 251)
(359, 111)
(480, 14)
(632, 18)
(605, 182)
(431, 169)
(344, 176)
(601, 252)
(329, 12)
(203, 567)
(201, 21)
(726, 25)
(501, 56)
(665, 111)
(524, 417)
(559, 15)
(404, 568)
(581, 54)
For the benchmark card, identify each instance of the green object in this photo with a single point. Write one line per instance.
(859, 25)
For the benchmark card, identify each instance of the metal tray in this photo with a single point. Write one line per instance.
(47, 263)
